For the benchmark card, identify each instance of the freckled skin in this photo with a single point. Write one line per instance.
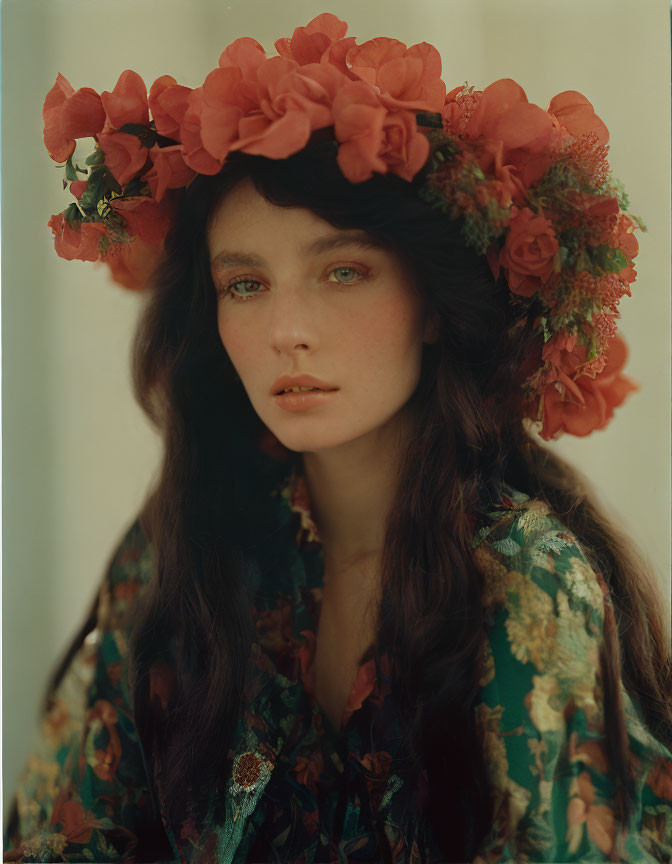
(362, 334)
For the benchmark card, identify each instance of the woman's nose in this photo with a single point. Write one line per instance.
(291, 326)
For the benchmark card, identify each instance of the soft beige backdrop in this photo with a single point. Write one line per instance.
(78, 454)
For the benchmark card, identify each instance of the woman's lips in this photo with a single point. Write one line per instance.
(291, 401)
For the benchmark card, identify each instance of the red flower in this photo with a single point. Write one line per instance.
(77, 187)
(132, 264)
(127, 103)
(293, 101)
(573, 111)
(76, 823)
(144, 217)
(373, 139)
(245, 54)
(196, 156)
(530, 253)
(169, 170)
(577, 403)
(69, 115)
(124, 154)
(407, 78)
(220, 112)
(77, 243)
(308, 44)
(168, 102)
(520, 132)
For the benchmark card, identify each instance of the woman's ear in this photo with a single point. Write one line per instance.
(431, 331)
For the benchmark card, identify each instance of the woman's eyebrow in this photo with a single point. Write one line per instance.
(322, 244)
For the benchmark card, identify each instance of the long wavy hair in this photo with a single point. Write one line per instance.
(196, 614)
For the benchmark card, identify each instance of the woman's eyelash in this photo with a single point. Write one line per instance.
(228, 288)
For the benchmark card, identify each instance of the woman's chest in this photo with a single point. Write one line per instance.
(346, 629)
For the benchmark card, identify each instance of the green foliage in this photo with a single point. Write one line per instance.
(145, 134)
(432, 120)
(72, 215)
(71, 171)
(95, 158)
(607, 260)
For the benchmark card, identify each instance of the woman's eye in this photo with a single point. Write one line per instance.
(231, 289)
(228, 289)
(346, 269)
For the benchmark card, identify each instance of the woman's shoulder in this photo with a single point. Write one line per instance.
(128, 573)
(544, 602)
(528, 555)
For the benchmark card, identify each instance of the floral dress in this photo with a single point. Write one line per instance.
(303, 791)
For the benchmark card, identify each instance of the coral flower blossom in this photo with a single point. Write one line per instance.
(124, 154)
(308, 44)
(132, 264)
(168, 101)
(373, 139)
(72, 243)
(579, 405)
(127, 103)
(573, 111)
(525, 130)
(406, 78)
(69, 115)
(169, 170)
(530, 251)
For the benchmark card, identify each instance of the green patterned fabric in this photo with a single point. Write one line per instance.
(303, 791)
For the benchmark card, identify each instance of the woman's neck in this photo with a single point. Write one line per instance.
(351, 490)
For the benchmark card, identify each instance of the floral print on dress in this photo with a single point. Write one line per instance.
(305, 792)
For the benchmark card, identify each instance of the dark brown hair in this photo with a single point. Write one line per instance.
(196, 611)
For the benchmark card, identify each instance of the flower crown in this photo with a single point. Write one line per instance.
(531, 187)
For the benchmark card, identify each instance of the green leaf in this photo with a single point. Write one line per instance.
(609, 260)
(96, 158)
(639, 221)
(70, 172)
(425, 118)
(72, 215)
(146, 135)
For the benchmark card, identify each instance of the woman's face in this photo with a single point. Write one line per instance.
(300, 304)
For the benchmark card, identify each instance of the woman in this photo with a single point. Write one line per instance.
(378, 622)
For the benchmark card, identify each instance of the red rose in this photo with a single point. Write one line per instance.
(72, 243)
(579, 405)
(169, 170)
(573, 111)
(530, 253)
(124, 154)
(308, 44)
(168, 103)
(407, 78)
(127, 103)
(373, 139)
(69, 115)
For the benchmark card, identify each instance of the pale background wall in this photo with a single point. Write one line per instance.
(78, 454)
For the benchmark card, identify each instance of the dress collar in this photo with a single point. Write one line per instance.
(295, 492)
